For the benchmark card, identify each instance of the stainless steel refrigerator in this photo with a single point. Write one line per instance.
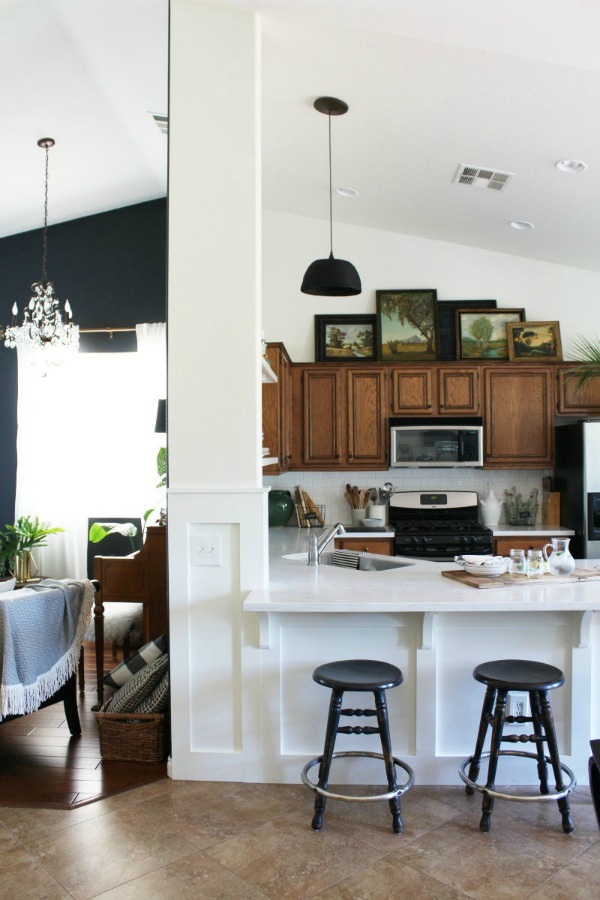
(578, 480)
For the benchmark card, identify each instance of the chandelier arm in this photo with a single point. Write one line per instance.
(45, 235)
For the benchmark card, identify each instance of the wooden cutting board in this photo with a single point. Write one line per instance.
(500, 581)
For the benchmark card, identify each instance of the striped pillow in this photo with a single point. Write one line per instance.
(133, 664)
(158, 700)
(140, 687)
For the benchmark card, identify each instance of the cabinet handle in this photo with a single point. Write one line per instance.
(429, 406)
(441, 406)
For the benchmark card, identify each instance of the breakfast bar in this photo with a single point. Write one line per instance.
(436, 630)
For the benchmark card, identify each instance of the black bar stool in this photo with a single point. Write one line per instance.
(501, 677)
(357, 675)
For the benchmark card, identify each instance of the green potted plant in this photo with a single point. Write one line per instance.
(28, 533)
(585, 351)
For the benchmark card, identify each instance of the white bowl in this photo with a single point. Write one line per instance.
(8, 585)
(488, 570)
(475, 560)
(372, 523)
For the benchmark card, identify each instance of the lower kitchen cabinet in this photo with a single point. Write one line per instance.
(503, 545)
(382, 546)
(519, 417)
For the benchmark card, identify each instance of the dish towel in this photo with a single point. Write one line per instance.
(346, 558)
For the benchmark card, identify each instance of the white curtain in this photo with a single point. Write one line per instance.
(86, 445)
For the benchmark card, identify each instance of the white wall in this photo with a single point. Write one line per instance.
(385, 261)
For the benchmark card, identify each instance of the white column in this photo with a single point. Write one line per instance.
(216, 504)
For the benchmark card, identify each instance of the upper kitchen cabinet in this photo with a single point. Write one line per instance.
(435, 390)
(518, 419)
(572, 400)
(277, 410)
(339, 417)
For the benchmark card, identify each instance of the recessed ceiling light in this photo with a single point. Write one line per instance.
(571, 165)
(522, 225)
(346, 192)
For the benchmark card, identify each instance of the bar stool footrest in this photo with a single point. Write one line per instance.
(556, 795)
(368, 797)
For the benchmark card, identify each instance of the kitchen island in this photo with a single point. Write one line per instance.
(436, 630)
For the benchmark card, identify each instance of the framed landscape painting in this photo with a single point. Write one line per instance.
(535, 340)
(446, 314)
(407, 321)
(482, 333)
(345, 337)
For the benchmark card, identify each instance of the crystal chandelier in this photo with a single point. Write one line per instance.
(44, 328)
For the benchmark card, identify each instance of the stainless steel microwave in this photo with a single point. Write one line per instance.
(436, 443)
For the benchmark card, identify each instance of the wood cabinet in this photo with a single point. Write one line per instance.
(381, 546)
(518, 417)
(339, 417)
(277, 411)
(572, 400)
(435, 390)
(503, 545)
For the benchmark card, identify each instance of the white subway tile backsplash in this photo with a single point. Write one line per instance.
(327, 488)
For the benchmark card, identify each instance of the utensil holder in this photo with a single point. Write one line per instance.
(521, 513)
(378, 511)
(358, 515)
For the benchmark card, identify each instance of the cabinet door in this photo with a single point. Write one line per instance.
(459, 392)
(573, 400)
(322, 427)
(412, 391)
(381, 546)
(502, 546)
(366, 424)
(518, 417)
(277, 411)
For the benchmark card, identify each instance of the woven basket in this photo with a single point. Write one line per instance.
(128, 736)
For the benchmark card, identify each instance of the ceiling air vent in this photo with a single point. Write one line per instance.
(479, 177)
(161, 121)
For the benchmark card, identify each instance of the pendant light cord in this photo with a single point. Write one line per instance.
(45, 238)
(330, 194)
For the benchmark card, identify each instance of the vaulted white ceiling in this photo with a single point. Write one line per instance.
(430, 84)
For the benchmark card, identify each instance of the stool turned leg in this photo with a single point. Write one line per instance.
(548, 722)
(497, 727)
(542, 767)
(333, 720)
(488, 705)
(386, 746)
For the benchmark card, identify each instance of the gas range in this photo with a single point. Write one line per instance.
(437, 525)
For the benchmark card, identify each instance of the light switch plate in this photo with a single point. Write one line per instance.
(207, 550)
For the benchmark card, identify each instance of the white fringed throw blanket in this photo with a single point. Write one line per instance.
(41, 632)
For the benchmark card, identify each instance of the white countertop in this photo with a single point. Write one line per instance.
(296, 587)
(531, 531)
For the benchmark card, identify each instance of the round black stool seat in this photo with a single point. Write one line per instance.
(367, 675)
(502, 677)
(358, 675)
(519, 675)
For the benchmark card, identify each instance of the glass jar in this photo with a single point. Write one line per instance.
(517, 563)
(535, 564)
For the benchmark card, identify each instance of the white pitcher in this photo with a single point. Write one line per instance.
(491, 509)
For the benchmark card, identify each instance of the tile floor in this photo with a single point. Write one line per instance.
(236, 841)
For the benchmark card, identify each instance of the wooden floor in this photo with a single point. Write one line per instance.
(42, 766)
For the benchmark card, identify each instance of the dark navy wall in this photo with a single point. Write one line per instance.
(113, 269)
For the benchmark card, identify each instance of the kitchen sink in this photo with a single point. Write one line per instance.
(366, 563)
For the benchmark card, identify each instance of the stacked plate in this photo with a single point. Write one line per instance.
(487, 566)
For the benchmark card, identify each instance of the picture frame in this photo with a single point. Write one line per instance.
(407, 324)
(447, 323)
(482, 333)
(346, 338)
(534, 341)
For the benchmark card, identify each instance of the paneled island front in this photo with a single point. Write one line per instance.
(436, 630)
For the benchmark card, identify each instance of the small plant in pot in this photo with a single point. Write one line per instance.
(28, 533)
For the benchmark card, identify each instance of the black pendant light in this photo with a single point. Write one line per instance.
(331, 277)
